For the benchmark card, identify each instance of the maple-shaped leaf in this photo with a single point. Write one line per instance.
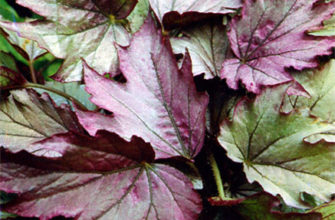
(158, 102)
(261, 206)
(273, 151)
(327, 210)
(208, 46)
(265, 41)
(319, 84)
(77, 29)
(170, 11)
(26, 118)
(102, 177)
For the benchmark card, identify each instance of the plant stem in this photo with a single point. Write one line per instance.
(217, 175)
(32, 71)
(56, 91)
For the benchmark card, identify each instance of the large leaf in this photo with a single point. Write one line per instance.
(103, 177)
(272, 149)
(208, 46)
(76, 29)
(26, 118)
(327, 210)
(158, 102)
(265, 41)
(319, 83)
(172, 10)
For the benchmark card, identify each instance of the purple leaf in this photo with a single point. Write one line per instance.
(26, 118)
(266, 41)
(77, 29)
(173, 10)
(96, 177)
(158, 102)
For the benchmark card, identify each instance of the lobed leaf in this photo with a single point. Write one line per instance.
(75, 30)
(273, 151)
(265, 41)
(158, 102)
(96, 177)
(26, 118)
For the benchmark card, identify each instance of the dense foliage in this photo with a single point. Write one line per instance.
(167, 109)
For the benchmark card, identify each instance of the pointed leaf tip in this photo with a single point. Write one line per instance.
(270, 42)
(158, 102)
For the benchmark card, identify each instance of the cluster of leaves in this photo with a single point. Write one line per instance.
(167, 109)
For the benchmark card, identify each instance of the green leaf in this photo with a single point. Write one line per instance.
(8, 61)
(261, 205)
(327, 210)
(138, 15)
(77, 29)
(7, 12)
(272, 149)
(26, 118)
(328, 28)
(27, 48)
(73, 89)
(5, 46)
(320, 85)
(208, 46)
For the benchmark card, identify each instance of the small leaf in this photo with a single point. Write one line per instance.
(158, 102)
(272, 149)
(97, 177)
(26, 118)
(173, 10)
(77, 29)
(73, 89)
(265, 41)
(208, 46)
